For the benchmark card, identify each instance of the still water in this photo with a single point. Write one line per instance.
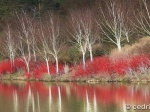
(72, 97)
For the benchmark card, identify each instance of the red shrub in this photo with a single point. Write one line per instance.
(19, 64)
(5, 67)
(104, 65)
(120, 66)
(28, 75)
(99, 65)
(42, 69)
(136, 61)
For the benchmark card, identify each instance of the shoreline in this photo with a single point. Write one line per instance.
(85, 79)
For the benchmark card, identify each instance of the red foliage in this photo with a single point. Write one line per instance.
(136, 61)
(120, 66)
(104, 65)
(99, 65)
(42, 69)
(5, 67)
(37, 69)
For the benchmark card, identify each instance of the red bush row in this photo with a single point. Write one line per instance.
(37, 69)
(100, 65)
(5, 66)
(105, 65)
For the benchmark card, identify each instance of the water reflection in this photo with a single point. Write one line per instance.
(59, 100)
(50, 100)
(15, 98)
(71, 97)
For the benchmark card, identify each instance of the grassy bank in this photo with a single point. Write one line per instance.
(141, 78)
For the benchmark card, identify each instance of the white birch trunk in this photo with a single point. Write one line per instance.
(27, 66)
(57, 67)
(91, 54)
(83, 59)
(47, 64)
(119, 46)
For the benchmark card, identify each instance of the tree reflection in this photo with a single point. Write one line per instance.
(38, 97)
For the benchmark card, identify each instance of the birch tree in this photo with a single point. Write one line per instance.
(10, 46)
(51, 41)
(33, 32)
(88, 26)
(24, 53)
(143, 19)
(79, 34)
(113, 25)
(44, 43)
(55, 39)
(25, 41)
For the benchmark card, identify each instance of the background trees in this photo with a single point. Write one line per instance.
(80, 32)
(114, 24)
(82, 23)
(39, 34)
(10, 46)
(25, 38)
(143, 19)
(52, 43)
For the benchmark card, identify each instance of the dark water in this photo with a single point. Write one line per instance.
(73, 97)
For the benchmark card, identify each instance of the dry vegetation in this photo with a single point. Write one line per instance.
(140, 47)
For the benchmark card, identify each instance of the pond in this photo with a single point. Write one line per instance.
(21, 96)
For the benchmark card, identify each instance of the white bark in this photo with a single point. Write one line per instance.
(27, 66)
(81, 33)
(119, 46)
(143, 20)
(10, 46)
(47, 64)
(52, 42)
(57, 43)
(114, 27)
(43, 51)
(33, 41)
(25, 40)
(83, 59)
(57, 67)
(25, 58)
(88, 28)
(90, 50)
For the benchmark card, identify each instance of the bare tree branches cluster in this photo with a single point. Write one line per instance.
(83, 34)
(35, 38)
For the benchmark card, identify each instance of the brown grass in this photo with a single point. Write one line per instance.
(142, 46)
